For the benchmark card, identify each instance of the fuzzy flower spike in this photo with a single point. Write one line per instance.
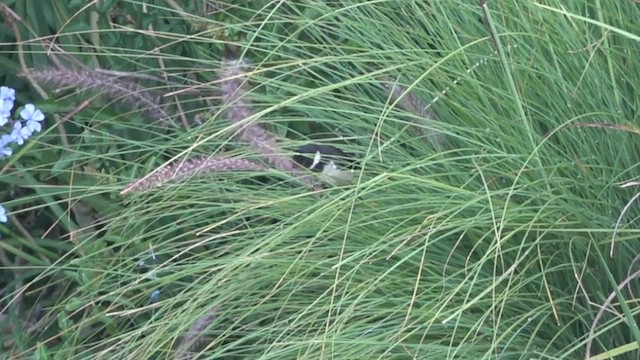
(239, 108)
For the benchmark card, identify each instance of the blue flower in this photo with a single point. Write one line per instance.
(19, 133)
(32, 116)
(3, 215)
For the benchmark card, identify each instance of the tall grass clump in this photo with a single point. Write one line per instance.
(159, 214)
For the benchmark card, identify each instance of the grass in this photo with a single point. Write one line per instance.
(496, 246)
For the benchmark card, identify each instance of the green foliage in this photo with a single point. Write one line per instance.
(495, 248)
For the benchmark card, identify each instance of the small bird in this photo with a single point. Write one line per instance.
(322, 156)
(331, 162)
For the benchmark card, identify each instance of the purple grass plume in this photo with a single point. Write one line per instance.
(260, 141)
(239, 108)
(192, 339)
(184, 169)
(409, 101)
(113, 87)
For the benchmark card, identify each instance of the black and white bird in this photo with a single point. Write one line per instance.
(334, 165)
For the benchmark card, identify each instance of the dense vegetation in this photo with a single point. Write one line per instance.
(491, 212)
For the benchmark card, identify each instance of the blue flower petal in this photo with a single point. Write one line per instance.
(19, 133)
(32, 116)
(7, 93)
(5, 152)
(27, 112)
(3, 215)
(34, 126)
(6, 105)
(154, 295)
